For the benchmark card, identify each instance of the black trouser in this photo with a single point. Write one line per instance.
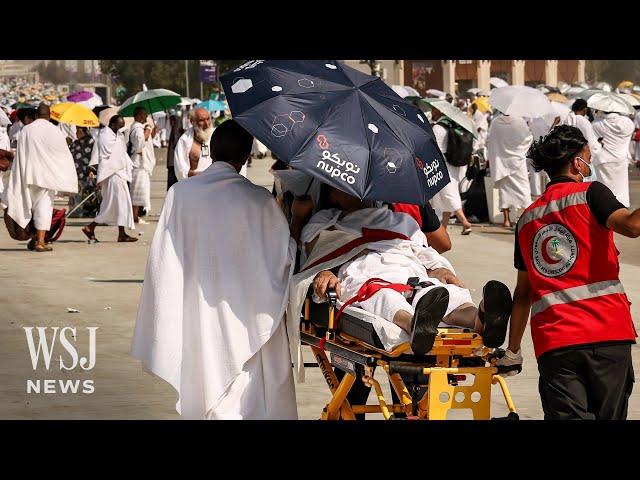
(592, 383)
(171, 177)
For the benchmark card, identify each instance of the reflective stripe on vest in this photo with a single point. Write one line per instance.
(572, 199)
(583, 292)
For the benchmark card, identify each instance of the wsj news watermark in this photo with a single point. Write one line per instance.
(54, 348)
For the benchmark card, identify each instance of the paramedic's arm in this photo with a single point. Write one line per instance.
(436, 234)
(520, 311)
(625, 222)
(611, 213)
(439, 240)
(301, 210)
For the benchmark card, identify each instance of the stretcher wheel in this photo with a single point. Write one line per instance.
(510, 416)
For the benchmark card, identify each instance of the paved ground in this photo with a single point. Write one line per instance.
(104, 282)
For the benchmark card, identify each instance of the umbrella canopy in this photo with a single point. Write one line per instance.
(79, 96)
(557, 97)
(633, 101)
(573, 91)
(405, 91)
(339, 125)
(106, 114)
(473, 91)
(432, 92)
(520, 101)
(454, 113)
(610, 102)
(625, 84)
(4, 119)
(603, 86)
(154, 100)
(498, 82)
(212, 105)
(543, 89)
(482, 103)
(585, 94)
(184, 102)
(74, 114)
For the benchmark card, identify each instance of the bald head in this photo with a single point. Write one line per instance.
(43, 111)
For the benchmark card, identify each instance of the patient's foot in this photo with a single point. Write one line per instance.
(494, 313)
(429, 312)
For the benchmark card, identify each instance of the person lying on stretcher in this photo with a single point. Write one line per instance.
(396, 251)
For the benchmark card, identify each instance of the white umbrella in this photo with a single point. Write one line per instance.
(585, 94)
(184, 102)
(603, 86)
(520, 101)
(436, 93)
(610, 102)
(454, 114)
(474, 91)
(105, 115)
(4, 119)
(498, 82)
(573, 91)
(633, 101)
(563, 87)
(405, 91)
(557, 110)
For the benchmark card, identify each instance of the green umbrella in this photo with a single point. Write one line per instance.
(156, 100)
(453, 113)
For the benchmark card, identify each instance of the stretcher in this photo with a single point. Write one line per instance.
(457, 373)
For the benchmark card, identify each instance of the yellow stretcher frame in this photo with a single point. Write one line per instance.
(443, 391)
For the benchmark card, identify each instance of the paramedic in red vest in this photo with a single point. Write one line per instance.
(568, 269)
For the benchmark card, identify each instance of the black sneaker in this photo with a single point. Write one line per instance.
(497, 311)
(428, 314)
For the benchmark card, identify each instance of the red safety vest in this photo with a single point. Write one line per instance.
(573, 268)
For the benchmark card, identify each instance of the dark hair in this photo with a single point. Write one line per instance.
(137, 110)
(553, 152)
(114, 119)
(231, 143)
(579, 104)
(23, 113)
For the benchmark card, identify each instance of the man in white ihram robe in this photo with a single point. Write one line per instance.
(612, 161)
(448, 200)
(43, 165)
(508, 141)
(143, 161)
(210, 320)
(114, 171)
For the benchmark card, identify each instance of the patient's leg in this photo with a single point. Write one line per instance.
(389, 304)
(465, 316)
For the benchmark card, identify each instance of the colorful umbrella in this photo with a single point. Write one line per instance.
(155, 100)
(74, 114)
(212, 105)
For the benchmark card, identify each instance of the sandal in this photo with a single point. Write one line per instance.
(90, 235)
(42, 248)
(466, 231)
(127, 239)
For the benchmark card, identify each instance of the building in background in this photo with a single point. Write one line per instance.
(458, 76)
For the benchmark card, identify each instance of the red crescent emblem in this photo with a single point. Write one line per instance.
(545, 255)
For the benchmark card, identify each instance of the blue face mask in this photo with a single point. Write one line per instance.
(592, 172)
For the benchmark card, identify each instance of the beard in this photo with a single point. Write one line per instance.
(203, 135)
